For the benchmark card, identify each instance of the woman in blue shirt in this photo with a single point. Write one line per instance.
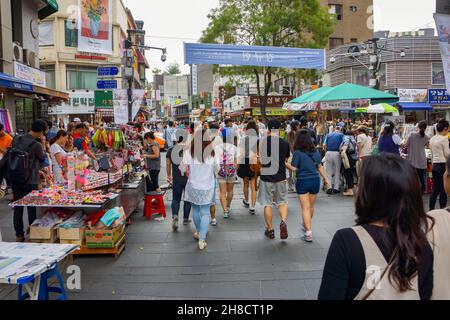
(307, 164)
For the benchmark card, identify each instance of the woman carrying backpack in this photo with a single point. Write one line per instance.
(227, 157)
(349, 149)
(386, 256)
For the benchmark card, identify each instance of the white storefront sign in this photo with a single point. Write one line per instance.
(80, 102)
(26, 73)
(413, 95)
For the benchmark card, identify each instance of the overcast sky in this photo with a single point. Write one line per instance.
(169, 23)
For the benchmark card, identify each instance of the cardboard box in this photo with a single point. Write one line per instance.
(72, 236)
(105, 239)
(44, 235)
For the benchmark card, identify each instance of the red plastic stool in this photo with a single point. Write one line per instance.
(151, 208)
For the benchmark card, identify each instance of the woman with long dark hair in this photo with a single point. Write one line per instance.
(389, 142)
(387, 255)
(416, 144)
(200, 165)
(247, 154)
(308, 167)
(440, 152)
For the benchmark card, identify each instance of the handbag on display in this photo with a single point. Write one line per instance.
(118, 162)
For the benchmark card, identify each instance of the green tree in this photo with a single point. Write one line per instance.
(173, 69)
(278, 23)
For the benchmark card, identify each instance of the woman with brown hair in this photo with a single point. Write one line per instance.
(386, 255)
(200, 166)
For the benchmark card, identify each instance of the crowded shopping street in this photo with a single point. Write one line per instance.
(224, 158)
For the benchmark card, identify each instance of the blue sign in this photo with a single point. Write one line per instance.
(196, 53)
(7, 81)
(107, 84)
(438, 96)
(107, 71)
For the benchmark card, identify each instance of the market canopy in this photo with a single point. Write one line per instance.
(415, 106)
(48, 8)
(343, 92)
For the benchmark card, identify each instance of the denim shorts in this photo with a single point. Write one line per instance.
(309, 185)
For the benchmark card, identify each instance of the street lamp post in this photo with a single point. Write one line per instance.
(130, 63)
(373, 49)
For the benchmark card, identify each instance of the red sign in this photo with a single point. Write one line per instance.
(273, 101)
(88, 57)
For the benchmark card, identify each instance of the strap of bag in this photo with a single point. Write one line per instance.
(368, 243)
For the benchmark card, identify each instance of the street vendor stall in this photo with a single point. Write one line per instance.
(91, 206)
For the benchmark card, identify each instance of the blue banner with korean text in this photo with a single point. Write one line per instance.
(438, 96)
(295, 58)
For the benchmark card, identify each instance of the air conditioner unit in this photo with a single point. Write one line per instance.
(17, 52)
(29, 58)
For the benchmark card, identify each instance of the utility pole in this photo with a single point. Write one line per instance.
(129, 73)
(130, 65)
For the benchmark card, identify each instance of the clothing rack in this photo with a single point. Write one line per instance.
(5, 120)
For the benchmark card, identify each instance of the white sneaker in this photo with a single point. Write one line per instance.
(197, 235)
(214, 222)
(202, 244)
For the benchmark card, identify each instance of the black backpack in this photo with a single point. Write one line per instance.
(16, 163)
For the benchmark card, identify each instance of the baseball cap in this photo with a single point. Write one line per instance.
(77, 120)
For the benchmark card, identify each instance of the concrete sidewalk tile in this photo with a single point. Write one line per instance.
(284, 289)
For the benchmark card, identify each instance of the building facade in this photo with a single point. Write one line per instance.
(350, 13)
(418, 71)
(75, 72)
(25, 94)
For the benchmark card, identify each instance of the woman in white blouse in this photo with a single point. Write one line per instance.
(200, 165)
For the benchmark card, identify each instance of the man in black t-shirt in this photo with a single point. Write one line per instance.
(29, 143)
(178, 181)
(274, 152)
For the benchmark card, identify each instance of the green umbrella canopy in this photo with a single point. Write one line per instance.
(346, 91)
(309, 95)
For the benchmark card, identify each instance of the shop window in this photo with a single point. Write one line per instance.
(46, 33)
(353, 40)
(353, 8)
(24, 115)
(81, 77)
(50, 77)
(71, 34)
(335, 9)
(336, 42)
